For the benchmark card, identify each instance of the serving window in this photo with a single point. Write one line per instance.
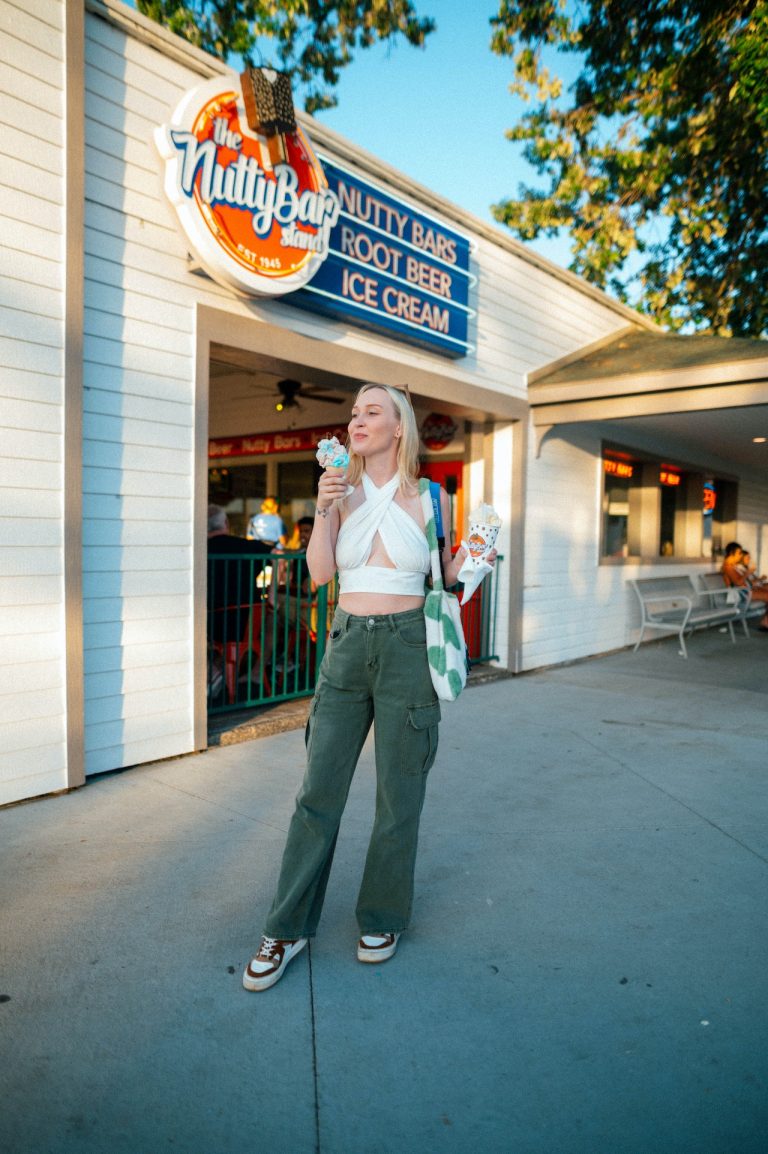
(653, 509)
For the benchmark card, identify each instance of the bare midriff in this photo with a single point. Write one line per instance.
(373, 604)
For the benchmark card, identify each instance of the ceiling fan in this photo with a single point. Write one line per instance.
(289, 393)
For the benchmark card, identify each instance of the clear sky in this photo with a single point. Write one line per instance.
(440, 113)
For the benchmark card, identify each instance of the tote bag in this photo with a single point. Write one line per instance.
(446, 647)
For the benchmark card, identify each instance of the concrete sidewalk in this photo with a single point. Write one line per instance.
(586, 972)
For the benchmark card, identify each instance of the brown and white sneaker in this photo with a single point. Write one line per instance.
(376, 947)
(268, 966)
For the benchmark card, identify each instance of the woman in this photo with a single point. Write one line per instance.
(375, 667)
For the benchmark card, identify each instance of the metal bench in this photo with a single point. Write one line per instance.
(674, 605)
(714, 583)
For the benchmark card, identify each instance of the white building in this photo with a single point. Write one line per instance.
(121, 359)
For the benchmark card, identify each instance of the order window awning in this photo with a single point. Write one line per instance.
(710, 392)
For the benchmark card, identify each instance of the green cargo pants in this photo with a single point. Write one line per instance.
(375, 670)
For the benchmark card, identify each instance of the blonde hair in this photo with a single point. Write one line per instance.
(408, 442)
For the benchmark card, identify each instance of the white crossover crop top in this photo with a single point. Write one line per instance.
(403, 539)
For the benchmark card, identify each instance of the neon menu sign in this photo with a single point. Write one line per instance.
(263, 444)
(393, 268)
(617, 468)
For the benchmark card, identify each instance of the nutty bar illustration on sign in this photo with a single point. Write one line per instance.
(269, 109)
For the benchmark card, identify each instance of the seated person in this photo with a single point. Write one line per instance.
(750, 572)
(734, 576)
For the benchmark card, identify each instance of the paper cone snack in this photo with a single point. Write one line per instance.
(484, 525)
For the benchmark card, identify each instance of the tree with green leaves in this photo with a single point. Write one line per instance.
(656, 157)
(311, 39)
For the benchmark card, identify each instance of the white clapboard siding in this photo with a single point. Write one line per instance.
(147, 408)
(30, 23)
(114, 352)
(24, 272)
(753, 506)
(117, 302)
(137, 428)
(42, 303)
(30, 562)
(39, 93)
(43, 163)
(16, 236)
(138, 532)
(20, 206)
(38, 358)
(32, 726)
(155, 336)
(105, 558)
(172, 582)
(140, 386)
(23, 443)
(149, 677)
(28, 414)
(130, 708)
(108, 736)
(149, 657)
(101, 609)
(17, 473)
(147, 748)
(99, 428)
(19, 54)
(14, 111)
(133, 483)
(151, 459)
(30, 179)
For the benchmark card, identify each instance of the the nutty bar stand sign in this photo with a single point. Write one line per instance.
(249, 192)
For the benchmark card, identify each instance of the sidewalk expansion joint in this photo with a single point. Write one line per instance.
(314, 1046)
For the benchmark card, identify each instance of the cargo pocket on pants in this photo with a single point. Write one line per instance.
(420, 738)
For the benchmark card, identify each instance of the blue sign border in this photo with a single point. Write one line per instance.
(393, 268)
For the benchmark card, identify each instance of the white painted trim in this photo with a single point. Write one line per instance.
(74, 218)
(639, 404)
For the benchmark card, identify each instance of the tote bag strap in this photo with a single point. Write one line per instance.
(430, 528)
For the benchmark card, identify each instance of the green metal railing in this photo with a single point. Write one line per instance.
(267, 628)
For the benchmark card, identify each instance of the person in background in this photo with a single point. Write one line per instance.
(232, 588)
(735, 577)
(267, 528)
(750, 571)
(292, 593)
(270, 509)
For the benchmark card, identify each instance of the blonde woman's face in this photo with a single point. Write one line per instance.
(375, 423)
